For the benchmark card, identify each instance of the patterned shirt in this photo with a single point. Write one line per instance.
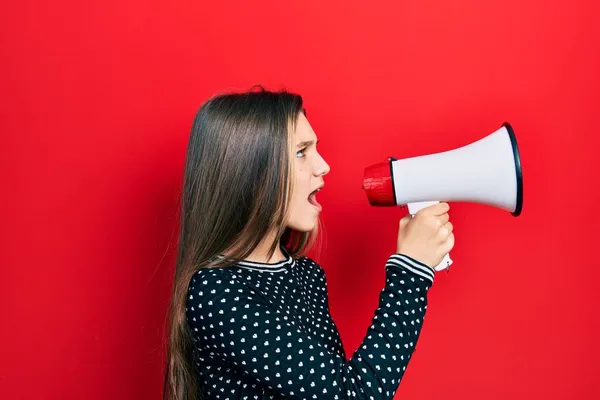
(264, 331)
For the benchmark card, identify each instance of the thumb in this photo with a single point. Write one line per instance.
(405, 220)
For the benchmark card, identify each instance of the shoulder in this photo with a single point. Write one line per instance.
(312, 268)
(210, 277)
(209, 284)
(214, 291)
(309, 264)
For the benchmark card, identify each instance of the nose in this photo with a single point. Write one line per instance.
(322, 168)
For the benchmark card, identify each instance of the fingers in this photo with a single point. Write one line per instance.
(436, 209)
(437, 217)
(446, 231)
(449, 243)
(449, 227)
(443, 219)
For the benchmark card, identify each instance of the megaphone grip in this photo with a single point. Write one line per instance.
(413, 208)
(445, 264)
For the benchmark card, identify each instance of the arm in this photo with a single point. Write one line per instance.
(234, 323)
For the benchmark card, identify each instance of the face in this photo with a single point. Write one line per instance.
(309, 168)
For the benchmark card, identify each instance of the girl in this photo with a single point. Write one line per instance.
(249, 317)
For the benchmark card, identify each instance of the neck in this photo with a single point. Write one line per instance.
(260, 252)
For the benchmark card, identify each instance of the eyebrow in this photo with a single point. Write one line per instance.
(306, 143)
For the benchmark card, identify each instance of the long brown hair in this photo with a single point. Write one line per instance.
(236, 188)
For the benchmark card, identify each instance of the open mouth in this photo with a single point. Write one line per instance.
(312, 199)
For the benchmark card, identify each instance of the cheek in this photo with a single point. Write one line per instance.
(301, 185)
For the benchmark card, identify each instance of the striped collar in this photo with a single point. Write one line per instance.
(279, 266)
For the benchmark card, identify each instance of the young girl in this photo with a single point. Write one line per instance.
(249, 314)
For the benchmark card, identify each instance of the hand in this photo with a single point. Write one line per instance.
(426, 237)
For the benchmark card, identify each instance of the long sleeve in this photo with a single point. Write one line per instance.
(232, 321)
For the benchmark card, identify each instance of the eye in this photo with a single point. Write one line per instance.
(300, 152)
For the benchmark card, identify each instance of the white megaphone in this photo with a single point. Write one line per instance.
(487, 171)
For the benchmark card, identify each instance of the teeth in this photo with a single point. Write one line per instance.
(314, 192)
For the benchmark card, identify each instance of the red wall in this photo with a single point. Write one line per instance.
(96, 106)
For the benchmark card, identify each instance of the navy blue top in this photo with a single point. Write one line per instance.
(264, 331)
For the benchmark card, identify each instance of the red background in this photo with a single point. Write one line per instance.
(96, 106)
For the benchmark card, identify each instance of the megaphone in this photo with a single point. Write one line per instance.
(487, 171)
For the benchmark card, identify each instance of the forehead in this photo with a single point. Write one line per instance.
(304, 131)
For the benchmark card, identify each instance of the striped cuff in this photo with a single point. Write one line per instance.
(412, 265)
